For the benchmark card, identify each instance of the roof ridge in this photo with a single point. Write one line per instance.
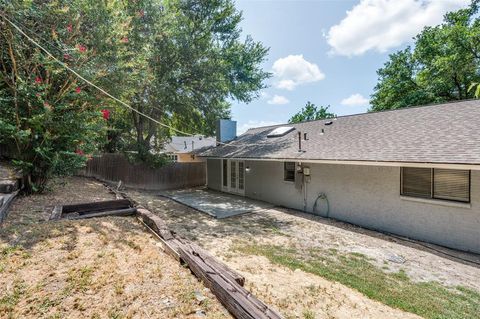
(371, 113)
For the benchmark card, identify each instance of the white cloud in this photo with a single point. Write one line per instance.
(383, 24)
(278, 100)
(294, 70)
(250, 124)
(355, 100)
(264, 94)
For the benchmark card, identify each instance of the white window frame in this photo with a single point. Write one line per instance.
(234, 189)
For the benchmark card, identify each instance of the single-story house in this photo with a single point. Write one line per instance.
(182, 149)
(414, 172)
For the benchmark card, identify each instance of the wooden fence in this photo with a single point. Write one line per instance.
(115, 167)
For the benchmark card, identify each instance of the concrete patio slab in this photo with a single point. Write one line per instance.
(216, 204)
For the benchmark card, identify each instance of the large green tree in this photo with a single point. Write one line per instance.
(440, 67)
(49, 119)
(310, 112)
(186, 60)
(179, 62)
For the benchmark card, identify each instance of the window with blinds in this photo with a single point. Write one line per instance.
(435, 183)
(289, 171)
(451, 184)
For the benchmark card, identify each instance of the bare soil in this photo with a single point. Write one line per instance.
(295, 292)
(98, 268)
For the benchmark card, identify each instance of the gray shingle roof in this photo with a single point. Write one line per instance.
(442, 133)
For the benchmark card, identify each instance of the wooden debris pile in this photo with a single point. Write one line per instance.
(225, 283)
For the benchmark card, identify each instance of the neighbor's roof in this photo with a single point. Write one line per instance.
(442, 133)
(187, 144)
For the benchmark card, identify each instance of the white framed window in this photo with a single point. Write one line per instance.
(173, 157)
(435, 183)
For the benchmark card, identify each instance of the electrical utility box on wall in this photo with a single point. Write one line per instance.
(306, 171)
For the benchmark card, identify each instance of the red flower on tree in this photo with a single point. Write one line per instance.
(67, 56)
(124, 40)
(38, 80)
(106, 114)
(78, 90)
(82, 48)
(69, 28)
(79, 152)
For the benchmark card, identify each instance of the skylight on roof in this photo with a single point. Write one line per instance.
(280, 131)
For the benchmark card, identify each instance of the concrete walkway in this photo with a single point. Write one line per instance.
(216, 204)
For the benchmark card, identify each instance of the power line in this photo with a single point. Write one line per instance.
(89, 82)
(102, 90)
(105, 92)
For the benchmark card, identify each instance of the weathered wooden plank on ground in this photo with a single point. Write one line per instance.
(56, 212)
(118, 212)
(238, 301)
(5, 202)
(160, 227)
(96, 206)
(156, 223)
(225, 283)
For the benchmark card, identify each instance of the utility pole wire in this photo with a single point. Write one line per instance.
(102, 90)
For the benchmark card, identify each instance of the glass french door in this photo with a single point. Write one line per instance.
(233, 176)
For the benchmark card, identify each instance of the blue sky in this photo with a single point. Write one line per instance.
(327, 52)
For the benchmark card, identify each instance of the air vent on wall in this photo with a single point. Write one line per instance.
(280, 131)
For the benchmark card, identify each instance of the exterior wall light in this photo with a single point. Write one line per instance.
(247, 169)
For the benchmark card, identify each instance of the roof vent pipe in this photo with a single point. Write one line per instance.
(305, 136)
(299, 141)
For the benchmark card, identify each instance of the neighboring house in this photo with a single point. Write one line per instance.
(182, 148)
(413, 172)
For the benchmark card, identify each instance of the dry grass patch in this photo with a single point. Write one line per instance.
(99, 268)
(427, 299)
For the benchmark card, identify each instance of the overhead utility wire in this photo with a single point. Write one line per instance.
(101, 89)
(66, 51)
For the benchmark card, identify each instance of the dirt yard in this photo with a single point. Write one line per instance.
(311, 267)
(97, 268)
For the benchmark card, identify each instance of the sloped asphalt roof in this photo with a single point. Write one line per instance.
(441, 133)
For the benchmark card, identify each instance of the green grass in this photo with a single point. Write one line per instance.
(9, 300)
(427, 299)
(80, 279)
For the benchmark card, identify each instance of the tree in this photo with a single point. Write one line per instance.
(49, 119)
(177, 61)
(441, 66)
(310, 112)
(195, 63)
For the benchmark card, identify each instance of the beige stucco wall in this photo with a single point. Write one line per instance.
(369, 196)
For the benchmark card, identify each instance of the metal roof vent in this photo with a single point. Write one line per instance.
(329, 123)
(280, 131)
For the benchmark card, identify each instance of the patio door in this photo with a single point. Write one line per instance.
(233, 176)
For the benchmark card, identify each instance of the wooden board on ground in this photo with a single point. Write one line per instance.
(118, 212)
(224, 282)
(5, 202)
(121, 207)
(96, 206)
